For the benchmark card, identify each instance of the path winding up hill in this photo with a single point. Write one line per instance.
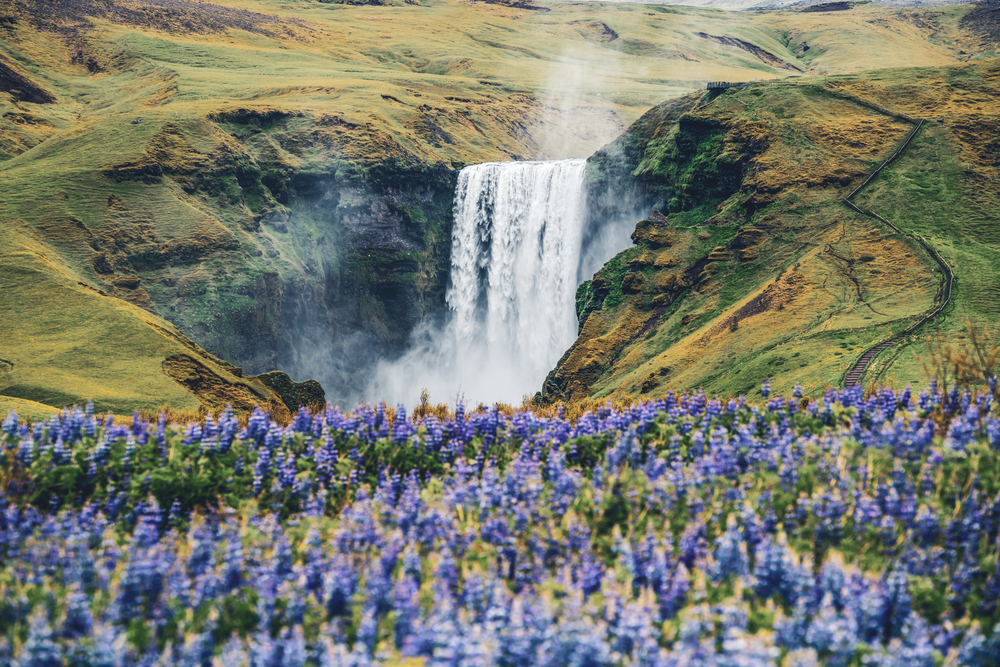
(761, 276)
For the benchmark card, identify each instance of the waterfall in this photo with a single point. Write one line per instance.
(511, 297)
(515, 251)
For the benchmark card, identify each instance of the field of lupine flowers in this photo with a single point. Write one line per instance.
(848, 530)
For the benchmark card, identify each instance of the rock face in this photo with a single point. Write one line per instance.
(670, 160)
(218, 385)
(316, 269)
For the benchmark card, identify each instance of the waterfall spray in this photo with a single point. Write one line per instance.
(511, 298)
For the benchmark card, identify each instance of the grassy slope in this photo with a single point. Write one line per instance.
(945, 189)
(65, 341)
(26, 409)
(782, 234)
(441, 82)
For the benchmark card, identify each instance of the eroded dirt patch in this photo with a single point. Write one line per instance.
(763, 55)
(215, 391)
(774, 297)
(21, 87)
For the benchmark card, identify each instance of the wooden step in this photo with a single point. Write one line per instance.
(854, 375)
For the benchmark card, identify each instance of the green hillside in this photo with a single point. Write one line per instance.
(271, 182)
(756, 268)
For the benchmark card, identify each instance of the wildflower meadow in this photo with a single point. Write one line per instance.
(685, 531)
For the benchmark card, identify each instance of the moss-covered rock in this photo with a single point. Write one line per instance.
(293, 394)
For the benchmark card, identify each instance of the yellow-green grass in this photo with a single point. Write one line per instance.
(944, 187)
(361, 85)
(940, 191)
(68, 343)
(30, 410)
(811, 340)
(351, 60)
(65, 343)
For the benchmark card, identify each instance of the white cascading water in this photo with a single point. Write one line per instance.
(514, 261)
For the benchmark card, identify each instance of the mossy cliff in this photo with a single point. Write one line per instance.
(264, 253)
(746, 263)
(669, 160)
(324, 261)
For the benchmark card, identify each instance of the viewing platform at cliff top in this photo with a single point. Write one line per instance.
(718, 85)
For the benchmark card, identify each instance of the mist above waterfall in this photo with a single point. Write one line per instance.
(511, 296)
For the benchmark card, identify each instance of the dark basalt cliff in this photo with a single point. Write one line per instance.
(315, 267)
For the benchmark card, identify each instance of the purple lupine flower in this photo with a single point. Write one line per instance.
(40, 650)
(202, 554)
(977, 651)
(730, 554)
(339, 585)
(198, 649)
(776, 571)
(233, 653)
(107, 648)
(672, 598)
(26, 451)
(78, 621)
(10, 424)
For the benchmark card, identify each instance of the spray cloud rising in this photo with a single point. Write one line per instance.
(514, 265)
